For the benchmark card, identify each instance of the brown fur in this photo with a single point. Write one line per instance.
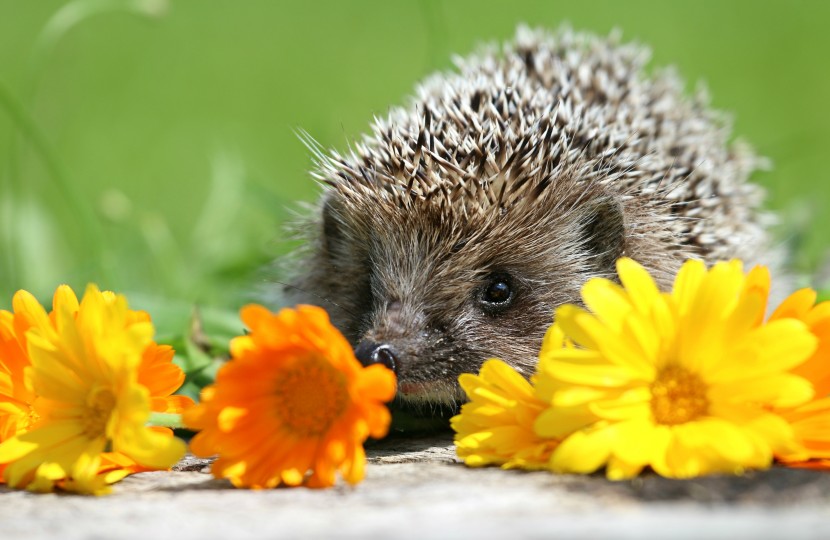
(543, 162)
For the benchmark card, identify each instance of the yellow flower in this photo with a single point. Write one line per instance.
(293, 405)
(810, 421)
(74, 410)
(681, 382)
(495, 427)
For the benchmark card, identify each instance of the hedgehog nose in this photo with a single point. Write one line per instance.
(369, 352)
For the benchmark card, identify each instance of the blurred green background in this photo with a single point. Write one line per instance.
(150, 146)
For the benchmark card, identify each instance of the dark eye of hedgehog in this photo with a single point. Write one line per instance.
(497, 294)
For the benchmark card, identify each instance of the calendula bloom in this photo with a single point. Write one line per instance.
(811, 421)
(292, 406)
(80, 410)
(682, 382)
(495, 427)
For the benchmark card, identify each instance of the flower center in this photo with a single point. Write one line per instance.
(311, 395)
(99, 406)
(678, 396)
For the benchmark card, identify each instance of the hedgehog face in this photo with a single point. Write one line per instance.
(432, 292)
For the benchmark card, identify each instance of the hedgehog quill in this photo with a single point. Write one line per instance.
(451, 232)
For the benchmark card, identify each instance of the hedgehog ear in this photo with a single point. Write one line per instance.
(603, 231)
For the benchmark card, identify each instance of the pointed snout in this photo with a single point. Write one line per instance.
(369, 353)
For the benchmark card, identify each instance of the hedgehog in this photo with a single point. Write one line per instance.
(450, 233)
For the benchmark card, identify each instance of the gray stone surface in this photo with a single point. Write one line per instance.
(415, 488)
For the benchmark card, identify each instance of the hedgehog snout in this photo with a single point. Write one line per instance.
(369, 353)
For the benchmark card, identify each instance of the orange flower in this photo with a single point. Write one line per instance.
(811, 421)
(19, 405)
(16, 394)
(293, 400)
(17, 414)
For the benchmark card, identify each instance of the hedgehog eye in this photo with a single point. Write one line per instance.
(497, 294)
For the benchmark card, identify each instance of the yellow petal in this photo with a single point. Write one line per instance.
(85, 472)
(634, 403)
(45, 477)
(604, 376)
(782, 390)
(560, 422)
(26, 306)
(748, 313)
(65, 299)
(775, 347)
(571, 396)
(664, 321)
(619, 348)
(502, 375)
(573, 321)
(702, 322)
(638, 283)
(54, 449)
(607, 300)
(687, 282)
(723, 437)
(583, 452)
(618, 469)
(637, 442)
(44, 437)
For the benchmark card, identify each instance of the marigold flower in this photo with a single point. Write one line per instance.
(293, 405)
(495, 427)
(72, 386)
(810, 421)
(682, 382)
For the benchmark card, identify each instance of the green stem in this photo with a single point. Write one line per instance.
(169, 420)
